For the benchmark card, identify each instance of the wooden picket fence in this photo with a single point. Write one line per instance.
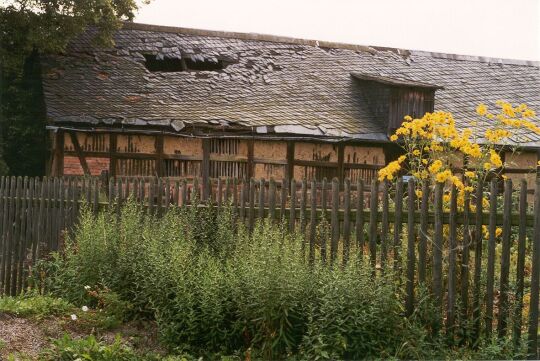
(432, 241)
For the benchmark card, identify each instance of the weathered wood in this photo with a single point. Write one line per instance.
(312, 222)
(359, 220)
(464, 264)
(283, 199)
(272, 200)
(438, 250)
(261, 198)
(205, 167)
(411, 259)
(346, 220)
(384, 223)
(532, 338)
(251, 210)
(373, 207)
(422, 244)
(79, 152)
(477, 262)
(324, 217)
(243, 197)
(452, 245)
(520, 264)
(219, 194)
(490, 275)
(505, 261)
(397, 225)
(303, 202)
(334, 220)
(292, 206)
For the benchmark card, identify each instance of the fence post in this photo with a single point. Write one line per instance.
(346, 220)
(397, 224)
(437, 251)
(373, 209)
(477, 261)
(359, 221)
(384, 224)
(505, 259)
(292, 214)
(491, 257)
(422, 244)
(520, 267)
(335, 220)
(452, 245)
(411, 237)
(533, 310)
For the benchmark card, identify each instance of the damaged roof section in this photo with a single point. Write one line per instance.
(216, 81)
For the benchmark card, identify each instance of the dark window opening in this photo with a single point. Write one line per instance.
(152, 63)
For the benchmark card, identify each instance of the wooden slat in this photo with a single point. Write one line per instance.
(490, 275)
(373, 207)
(346, 220)
(272, 200)
(312, 222)
(520, 264)
(283, 199)
(532, 338)
(384, 224)
(411, 259)
(477, 263)
(261, 198)
(464, 263)
(251, 210)
(359, 220)
(438, 250)
(505, 261)
(422, 244)
(292, 207)
(397, 225)
(452, 245)
(303, 204)
(334, 220)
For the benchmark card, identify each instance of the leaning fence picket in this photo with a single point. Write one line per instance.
(505, 260)
(520, 264)
(490, 276)
(411, 260)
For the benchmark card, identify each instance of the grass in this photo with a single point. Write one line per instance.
(35, 306)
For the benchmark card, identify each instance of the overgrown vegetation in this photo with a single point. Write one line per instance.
(214, 289)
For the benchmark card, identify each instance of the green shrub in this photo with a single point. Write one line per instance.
(89, 348)
(35, 305)
(215, 289)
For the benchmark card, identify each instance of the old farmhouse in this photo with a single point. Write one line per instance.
(194, 103)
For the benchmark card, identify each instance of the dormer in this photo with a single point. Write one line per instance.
(391, 99)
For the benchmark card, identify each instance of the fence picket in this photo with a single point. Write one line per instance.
(359, 221)
(384, 224)
(477, 260)
(422, 244)
(373, 209)
(437, 250)
(346, 220)
(490, 276)
(397, 224)
(452, 245)
(520, 264)
(292, 207)
(532, 338)
(411, 238)
(505, 259)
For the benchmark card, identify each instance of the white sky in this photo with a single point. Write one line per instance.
(495, 28)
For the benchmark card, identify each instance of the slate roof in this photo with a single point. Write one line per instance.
(272, 84)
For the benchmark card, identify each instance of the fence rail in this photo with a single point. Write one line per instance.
(458, 246)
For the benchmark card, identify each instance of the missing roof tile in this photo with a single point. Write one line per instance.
(154, 63)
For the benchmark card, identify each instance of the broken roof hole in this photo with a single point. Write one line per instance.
(156, 64)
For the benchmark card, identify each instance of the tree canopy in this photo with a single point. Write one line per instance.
(29, 28)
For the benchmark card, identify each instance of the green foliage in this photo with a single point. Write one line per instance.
(34, 305)
(89, 348)
(215, 289)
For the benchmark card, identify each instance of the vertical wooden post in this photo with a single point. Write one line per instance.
(437, 250)
(303, 202)
(464, 265)
(490, 276)
(159, 156)
(384, 224)
(335, 220)
(397, 224)
(359, 221)
(340, 162)
(313, 221)
(250, 159)
(411, 260)
(292, 208)
(346, 220)
(112, 153)
(205, 168)
(289, 173)
(477, 262)
(533, 307)
(272, 200)
(251, 210)
(452, 245)
(373, 209)
(422, 245)
(505, 260)
(262, 186)
(520, 267)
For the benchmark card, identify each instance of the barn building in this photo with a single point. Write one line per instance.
(182, 102)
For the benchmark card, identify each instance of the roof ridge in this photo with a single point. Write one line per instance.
(323, 44)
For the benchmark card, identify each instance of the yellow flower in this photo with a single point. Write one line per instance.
(487, 166)
(435, 167)
(393, 138)
(481, 109)
(446, 198)
(498, 232)
(416, 152)
(495, 159)
(470, 174)
(418, 193)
